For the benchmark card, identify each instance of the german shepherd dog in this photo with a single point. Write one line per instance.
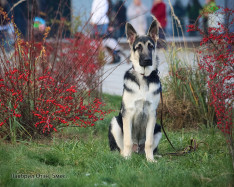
(135, 128)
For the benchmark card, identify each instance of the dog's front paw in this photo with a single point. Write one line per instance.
(126, 153)
(151, 160)
(126, 157)
(149, 154)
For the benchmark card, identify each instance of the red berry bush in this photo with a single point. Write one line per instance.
(217, 59)
(46, 86)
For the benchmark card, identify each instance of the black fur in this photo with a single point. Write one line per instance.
(130, 76)
(158, 91)
(142, 39)
(112, 142)
(153, 78)
(128, 89)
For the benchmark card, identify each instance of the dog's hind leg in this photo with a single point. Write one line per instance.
(116, 134)
(157, 137)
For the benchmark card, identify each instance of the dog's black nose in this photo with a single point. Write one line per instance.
(146, 62)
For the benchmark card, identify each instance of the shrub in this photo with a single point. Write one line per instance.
(217, 61)
(186, 98)
(46, 86)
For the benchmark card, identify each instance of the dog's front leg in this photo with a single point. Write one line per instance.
(127, 138)
(150, 138)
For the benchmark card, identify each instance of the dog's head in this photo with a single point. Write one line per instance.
(143, 49)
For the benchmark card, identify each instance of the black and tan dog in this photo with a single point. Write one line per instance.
(135, 128)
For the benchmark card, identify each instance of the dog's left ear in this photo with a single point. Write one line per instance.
(153, 30)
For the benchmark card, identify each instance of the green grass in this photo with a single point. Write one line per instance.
(82, 155)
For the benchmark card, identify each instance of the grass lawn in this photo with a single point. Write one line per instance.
(81, 157)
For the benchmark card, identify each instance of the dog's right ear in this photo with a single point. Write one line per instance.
(130, 33)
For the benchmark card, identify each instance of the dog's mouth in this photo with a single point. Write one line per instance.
(146, 71)
(143, 71)
(145, 67)
(143, 74)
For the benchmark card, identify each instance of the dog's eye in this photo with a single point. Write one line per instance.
(139, 47)
(150, 46)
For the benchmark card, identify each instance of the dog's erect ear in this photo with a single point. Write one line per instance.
(153, 30)
(130, 33)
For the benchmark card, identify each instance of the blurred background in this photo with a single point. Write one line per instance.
(77, 14)
(82, 8)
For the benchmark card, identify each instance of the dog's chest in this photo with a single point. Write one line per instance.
(140, 100)
(145, 103)
(140, 120)
(144, 95)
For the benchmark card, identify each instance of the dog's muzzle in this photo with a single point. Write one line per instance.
(146, 62)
